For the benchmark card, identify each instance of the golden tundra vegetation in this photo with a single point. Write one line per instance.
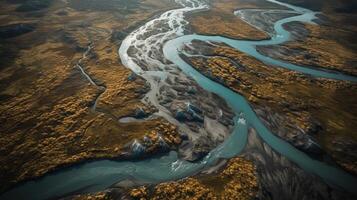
(299, 98)
(47, 120)
(322, 49)
(332, 44)
(237, 180)
(219, 20)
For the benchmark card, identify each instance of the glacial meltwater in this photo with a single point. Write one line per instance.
(98, 175)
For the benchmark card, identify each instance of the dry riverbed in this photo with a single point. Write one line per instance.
(47, 117)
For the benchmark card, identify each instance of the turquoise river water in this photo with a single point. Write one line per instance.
(98, 175)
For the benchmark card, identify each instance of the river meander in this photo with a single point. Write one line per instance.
(98, 175)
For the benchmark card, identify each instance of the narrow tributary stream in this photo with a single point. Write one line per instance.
(98, 175)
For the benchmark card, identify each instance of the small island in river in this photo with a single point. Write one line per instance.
(178, 99)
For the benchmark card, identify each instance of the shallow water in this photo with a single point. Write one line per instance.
(98, 175)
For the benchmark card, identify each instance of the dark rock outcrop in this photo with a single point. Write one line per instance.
(191, 113)
(15, 30)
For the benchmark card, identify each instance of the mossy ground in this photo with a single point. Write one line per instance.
(47, 120)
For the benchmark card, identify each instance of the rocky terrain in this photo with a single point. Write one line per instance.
(259, 173)
(327, 45)
(208, 119)
(281, 179)
(302, 115)
(67, 98)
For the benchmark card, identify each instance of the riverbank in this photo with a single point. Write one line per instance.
(301, 115)
(317, 45)
(220, 20)
(193, 116)
(46, 101)
(258, 173)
